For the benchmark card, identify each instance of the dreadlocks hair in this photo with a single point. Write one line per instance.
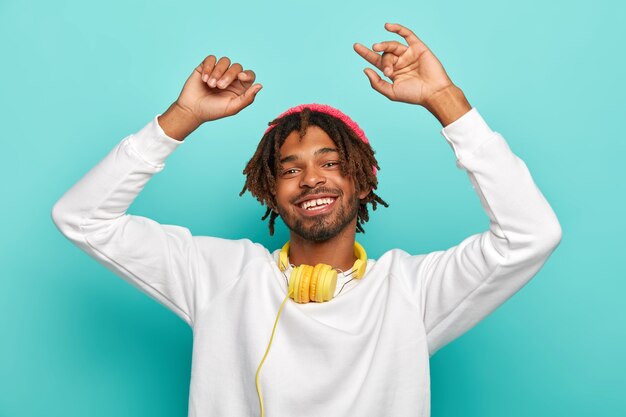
(357, 159)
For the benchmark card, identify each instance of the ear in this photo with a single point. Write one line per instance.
(364, 194)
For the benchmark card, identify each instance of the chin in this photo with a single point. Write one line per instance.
(316, 236)
(321, 231)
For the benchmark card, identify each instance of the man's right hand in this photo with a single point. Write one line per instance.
(215, 89)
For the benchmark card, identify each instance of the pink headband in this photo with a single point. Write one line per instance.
(325, 108)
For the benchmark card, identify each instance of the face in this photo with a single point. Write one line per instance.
(313, 197)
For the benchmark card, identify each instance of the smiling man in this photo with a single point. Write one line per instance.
(357, 337)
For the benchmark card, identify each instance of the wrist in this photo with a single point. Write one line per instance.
(448, 104)
(178, 122)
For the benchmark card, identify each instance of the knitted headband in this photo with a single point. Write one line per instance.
(324, 108)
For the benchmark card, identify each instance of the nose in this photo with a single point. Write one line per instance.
(312, 177)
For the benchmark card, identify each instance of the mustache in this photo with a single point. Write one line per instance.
(320, 190)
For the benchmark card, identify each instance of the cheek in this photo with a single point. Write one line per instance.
(282, 194)
(348, 186)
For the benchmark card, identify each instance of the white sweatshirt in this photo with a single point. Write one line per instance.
(364, 353)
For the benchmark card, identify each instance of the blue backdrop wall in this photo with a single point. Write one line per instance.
(79, 76)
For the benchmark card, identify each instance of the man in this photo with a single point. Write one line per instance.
(365, 351)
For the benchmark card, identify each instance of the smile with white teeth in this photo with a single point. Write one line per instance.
(317, 204)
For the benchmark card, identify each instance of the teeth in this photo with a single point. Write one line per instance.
(316, 203)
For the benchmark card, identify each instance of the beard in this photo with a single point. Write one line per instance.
(324, 226)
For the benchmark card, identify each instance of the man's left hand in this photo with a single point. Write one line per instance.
(417, 75)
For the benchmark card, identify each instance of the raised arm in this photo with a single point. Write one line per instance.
(158, 259)
(456, 288)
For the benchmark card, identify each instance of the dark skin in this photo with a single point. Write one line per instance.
(217, 89)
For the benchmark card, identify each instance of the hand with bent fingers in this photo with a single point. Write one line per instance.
(217, 89)
(416, 74)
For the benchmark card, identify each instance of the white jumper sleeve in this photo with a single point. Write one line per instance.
(458, 287)
(164, 261)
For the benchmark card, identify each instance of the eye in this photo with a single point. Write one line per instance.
(331, 164)
(289, 171)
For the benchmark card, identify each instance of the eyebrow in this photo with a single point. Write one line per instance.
(292, 158)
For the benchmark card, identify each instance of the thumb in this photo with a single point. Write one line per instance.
(378, 84)
(387, 63)
(248, 96)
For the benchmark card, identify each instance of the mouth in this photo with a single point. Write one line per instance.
(316, 206)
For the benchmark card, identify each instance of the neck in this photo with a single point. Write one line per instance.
(337, 251)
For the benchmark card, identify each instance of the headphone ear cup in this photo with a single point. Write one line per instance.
(332, 284)
(315, 280)
(292, 284)
(328, 283)
(305, 281)
(295, 278)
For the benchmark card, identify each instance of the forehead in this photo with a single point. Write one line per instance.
(314, 139)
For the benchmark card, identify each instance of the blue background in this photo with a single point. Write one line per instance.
(77, 77)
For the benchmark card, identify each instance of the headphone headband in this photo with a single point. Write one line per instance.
(359, 265)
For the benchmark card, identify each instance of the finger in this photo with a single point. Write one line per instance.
(416, 46)
(247, 97)
(388, 61)
(230, 74)
(393, 47)
(392, 51)
(218, 71)
(369, 55)
(378, 84)
(410, 37)
(246, 77)
(206, 67)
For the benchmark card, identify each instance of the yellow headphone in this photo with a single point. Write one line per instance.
(317, 283)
